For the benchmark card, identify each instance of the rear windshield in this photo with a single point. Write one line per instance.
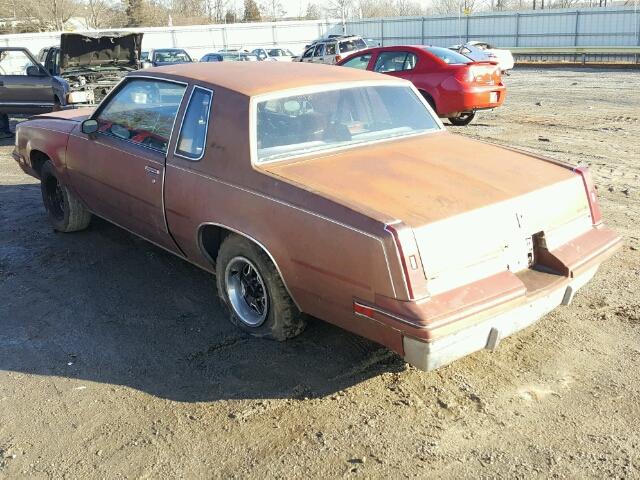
(299, 124)
(448, 56)
(351, 45)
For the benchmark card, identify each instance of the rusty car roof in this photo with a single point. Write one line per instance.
(255, 78)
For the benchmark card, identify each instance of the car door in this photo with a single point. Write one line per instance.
(25, 86)
(119, 170)
(330, 53)
(307, 56)
(318, 55)
(52, 61)
(397, 63)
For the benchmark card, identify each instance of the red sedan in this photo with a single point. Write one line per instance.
(454, 85)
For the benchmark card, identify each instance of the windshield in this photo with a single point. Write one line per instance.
(301, 124)
(171, 56)
(448, 56)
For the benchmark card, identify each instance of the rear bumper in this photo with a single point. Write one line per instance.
(448, 326)
(488, 333)
(471, 99)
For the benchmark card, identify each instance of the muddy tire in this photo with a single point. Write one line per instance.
(250, 286)
(462, 120)
(65, 211)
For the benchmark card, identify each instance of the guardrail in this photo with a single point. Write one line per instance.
(628, 55)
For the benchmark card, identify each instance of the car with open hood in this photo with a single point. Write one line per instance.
(330, 192)
(92, 64)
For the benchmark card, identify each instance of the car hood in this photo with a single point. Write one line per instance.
(72, 114)
(79, 51)
(420, 180)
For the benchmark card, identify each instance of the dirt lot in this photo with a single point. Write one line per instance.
(116, 359)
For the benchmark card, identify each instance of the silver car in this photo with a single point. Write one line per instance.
(332, 50)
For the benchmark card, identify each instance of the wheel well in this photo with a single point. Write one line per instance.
(429, 99)
(211, 237)
(37, 160)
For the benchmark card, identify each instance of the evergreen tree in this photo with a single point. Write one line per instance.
(251, 11)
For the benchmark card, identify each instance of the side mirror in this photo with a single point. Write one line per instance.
(34, 71)
(89, 126)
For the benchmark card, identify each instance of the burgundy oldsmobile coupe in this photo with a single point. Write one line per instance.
(326, 191)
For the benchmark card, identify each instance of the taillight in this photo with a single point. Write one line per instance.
(338, 58)
(464, 74)
(592, 196)
(410, 261)
(363, 310)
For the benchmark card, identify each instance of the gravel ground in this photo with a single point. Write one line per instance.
(116, 359)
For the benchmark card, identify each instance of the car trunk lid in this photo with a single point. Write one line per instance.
(474, 208)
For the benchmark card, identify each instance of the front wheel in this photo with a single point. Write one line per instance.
(65, 211)
(250, 285)
(462, 120)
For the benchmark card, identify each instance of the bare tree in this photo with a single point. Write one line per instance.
(48, 15)
(273, 10)
(313, 12)
(102, 13)
(341, 9)
(407, 8)
(446, 7)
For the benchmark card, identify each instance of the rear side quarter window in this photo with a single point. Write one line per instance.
(195, 124)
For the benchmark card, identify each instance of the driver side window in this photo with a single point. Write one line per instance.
(14, 62)
(142, 112)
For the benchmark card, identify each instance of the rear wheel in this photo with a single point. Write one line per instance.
(250, 285)
(462, 120)
(65, 211)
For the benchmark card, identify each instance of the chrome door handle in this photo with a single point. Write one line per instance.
(153, 172)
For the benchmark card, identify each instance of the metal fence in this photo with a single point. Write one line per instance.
(618, 26)
(613, 26)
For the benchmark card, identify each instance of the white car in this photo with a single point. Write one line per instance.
(275, 54)
(484, 51)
